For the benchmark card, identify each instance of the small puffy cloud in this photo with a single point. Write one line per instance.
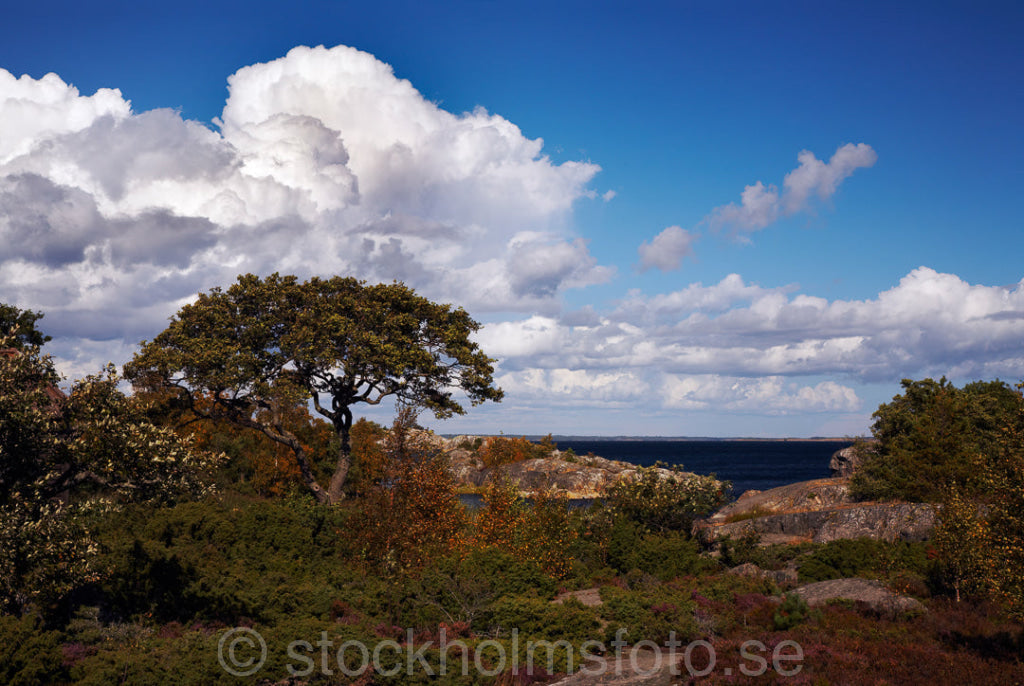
(667, 250)
(761, 205)
(814, 177)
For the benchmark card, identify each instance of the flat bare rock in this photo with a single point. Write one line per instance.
(817, 511)
(817, 494)
(590, 597)
(634, 666)
(883, 521)
(870, 593)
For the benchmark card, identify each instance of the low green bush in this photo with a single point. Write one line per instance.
(792, 612)
(655, 613)
(30, 654)
(863, 557)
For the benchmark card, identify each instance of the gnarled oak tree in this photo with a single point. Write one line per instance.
(264, 345)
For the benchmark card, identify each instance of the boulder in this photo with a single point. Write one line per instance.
(846, 461)
(786, 577)
(804, 495)
(865, 592)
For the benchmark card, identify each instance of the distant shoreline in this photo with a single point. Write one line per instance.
(677, 439)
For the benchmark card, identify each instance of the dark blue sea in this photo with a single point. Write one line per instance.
(748, 464)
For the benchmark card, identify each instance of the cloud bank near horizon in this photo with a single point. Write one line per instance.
(324, 162)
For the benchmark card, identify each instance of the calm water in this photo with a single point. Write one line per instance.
(747, 464)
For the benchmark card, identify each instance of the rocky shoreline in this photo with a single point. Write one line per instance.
(562, 473)
(816, 511)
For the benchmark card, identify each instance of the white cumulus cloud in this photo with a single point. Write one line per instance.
(928, 324)
(322, 162)
(761, 205)
(666, 250)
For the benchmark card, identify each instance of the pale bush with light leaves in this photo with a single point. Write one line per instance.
(66, 459)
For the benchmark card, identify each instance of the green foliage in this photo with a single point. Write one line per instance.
(18, 328)
(792, 612)
(537, 618)
(223, 560)
(266, 345)
(748, 548)
(929, 438)
(665, 504)
(980, 539)
(64, 458)
(862, 557)
(29, 653)
(1003, 481)
(960, 540)
(30, 420)
(963, 448)
(651, 613)
(663, 555)
(462, 588)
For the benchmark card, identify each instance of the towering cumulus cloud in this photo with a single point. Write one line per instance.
(323, 162)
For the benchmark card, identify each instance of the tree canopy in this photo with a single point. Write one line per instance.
(267, 344)
(929, 438)
(20, 327)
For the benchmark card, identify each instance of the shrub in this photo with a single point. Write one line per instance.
(665, 555)
(540, 532)
(862, 557)
(792, 612)
(501, 450)
(538, 618)
(665, 504)
(414, 513)
(461, 588)
(29, 654)
(653, 613)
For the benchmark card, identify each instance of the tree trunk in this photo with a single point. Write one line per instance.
(335, 491)
(324, 498)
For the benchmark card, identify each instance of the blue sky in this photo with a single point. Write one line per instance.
(573, 173)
